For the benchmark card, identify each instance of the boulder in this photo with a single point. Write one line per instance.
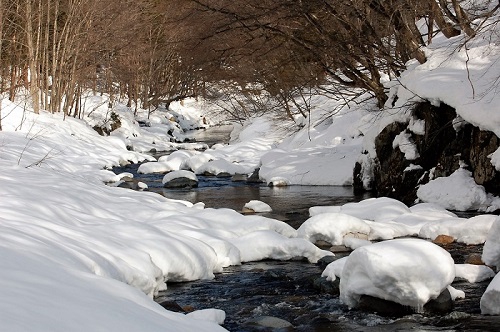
(474, 259)
(181, 183)
(271, 322)
(442, 304)
(180, 179)
(327, 286)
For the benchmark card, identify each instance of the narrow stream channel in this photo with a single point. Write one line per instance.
(287, 290)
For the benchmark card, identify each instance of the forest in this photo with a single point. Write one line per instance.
(152, 52)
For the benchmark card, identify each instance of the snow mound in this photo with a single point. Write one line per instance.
(490, 301)
(267, 244)
(491, 249)
(407, 271)
(331, 227)
(458, 192)
(473, 273)
(258, 206)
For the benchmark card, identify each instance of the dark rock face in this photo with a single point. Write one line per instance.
(440, 149)
(111, 124)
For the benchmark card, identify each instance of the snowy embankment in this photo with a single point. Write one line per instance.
(80, 255)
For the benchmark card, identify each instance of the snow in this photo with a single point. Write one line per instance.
(407, 271)
(458, 192)
(258, 206)
(385, 218)
(77, 255)
(490, 301)
(334, 269)
(73, 248)
(179, 174)
(216, 315)
(491, 249)
(331, 227)
(473, 273)
(405, 144)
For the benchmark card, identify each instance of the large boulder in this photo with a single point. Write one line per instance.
(409, 155)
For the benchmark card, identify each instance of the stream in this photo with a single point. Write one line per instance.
(287, 290)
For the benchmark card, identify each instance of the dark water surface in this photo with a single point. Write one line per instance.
(286, 289)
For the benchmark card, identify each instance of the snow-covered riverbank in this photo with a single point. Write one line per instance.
(80, 255)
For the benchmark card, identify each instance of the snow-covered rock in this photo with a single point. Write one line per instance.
(407, 271)
(257, 206)
(473, 273)
(180, 179)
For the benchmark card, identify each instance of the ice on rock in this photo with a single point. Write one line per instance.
(406, 271)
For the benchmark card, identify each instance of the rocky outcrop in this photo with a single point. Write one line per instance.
(111, 124)
(441, 142)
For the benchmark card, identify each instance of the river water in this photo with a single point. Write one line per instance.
(286, 290)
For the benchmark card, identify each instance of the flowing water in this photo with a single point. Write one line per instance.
(287, 290)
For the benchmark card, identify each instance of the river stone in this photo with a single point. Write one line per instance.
(181, 183)
(442, 304)
(327, 286)
(254, 178)
(223, 175)
(172, 306)
(239, 178)
(324, 261)
(444, 239)
(474, 258)
(271, 322)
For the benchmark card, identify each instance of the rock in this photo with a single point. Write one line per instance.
(383, 307)
(246, 210)
(239, 178)
(254, 178)
(324, 261)
(172, 306)
(326, 286)
(444, 239)
(441, 146)
(181, 183)
(357, 236)
(223, 175)
(322, 244)
(474, 258)
(339, 249)
(442, 304)
(271, 322)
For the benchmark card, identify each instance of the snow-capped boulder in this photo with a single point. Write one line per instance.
(257, 206)
(180, 179)
(406, 271)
